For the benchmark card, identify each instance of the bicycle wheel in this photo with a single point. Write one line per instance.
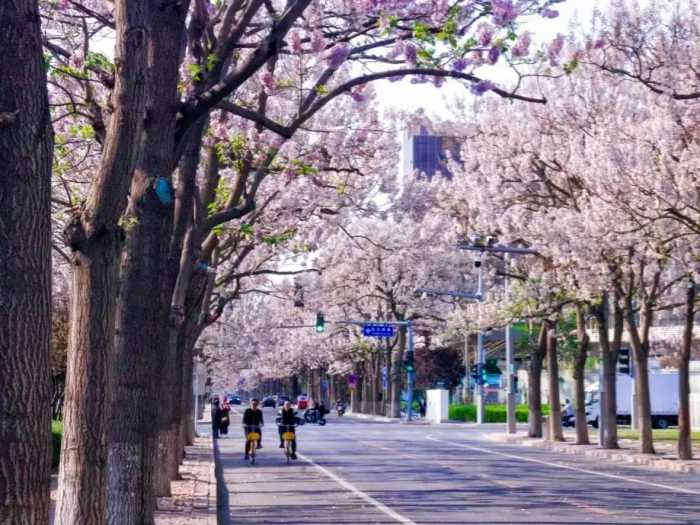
(288, 451)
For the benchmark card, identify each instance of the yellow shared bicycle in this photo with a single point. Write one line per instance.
(252, 435)
(288, 437)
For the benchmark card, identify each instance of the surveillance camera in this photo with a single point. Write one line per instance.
(477, 259)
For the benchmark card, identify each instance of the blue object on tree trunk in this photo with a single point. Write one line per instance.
(164, 191)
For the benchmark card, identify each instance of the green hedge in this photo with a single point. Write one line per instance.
(493, 413)
(56, 433)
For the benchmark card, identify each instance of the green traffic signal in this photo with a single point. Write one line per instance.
(320, 323)
(408, 364)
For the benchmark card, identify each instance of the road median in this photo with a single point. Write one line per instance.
(665, 459)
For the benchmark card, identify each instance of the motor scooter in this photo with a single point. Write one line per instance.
(313, 416)
(340, 409)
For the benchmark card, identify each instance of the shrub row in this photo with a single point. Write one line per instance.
(493, 413)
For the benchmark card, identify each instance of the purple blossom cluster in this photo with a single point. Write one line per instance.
(337, 56)
(504, 12)
(481, 87)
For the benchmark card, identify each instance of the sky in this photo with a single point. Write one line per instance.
(413, 97)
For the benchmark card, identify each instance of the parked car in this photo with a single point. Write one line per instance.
(269, 401)
(282, 399)
(234, 399)
(302, 402)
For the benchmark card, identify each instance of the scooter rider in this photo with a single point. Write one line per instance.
(288, 416)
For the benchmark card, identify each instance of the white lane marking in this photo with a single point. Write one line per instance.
(567, 467)
(357, 492)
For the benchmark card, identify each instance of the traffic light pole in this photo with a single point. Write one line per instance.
(411, 374)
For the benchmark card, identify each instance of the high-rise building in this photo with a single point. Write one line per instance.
(428, 154)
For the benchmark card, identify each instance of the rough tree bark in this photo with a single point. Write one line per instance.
(640, 347)
(608, 355)
(95, 239)
(685, 445)
(579, 377)
(25, 268)
(143, 308)
(556, 432)
(534, 385)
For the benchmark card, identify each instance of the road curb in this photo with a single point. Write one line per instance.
(380, 419)
(623, 455)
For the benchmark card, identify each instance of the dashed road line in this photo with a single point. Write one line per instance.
(399, 518)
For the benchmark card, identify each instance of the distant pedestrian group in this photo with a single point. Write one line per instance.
(220, 417)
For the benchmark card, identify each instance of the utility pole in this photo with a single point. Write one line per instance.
(480, 400)
(510, 362)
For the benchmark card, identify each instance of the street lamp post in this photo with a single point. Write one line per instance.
(508, 251)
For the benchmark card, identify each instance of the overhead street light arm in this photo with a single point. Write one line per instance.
(496, 248)
(461, 295)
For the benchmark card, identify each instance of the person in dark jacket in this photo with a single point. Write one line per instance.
(225, 418)
(288, 416)
(215, 417)
(252, 417)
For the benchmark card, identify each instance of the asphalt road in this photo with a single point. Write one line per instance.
(360, 472)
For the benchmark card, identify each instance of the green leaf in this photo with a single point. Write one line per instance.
(195, 72)
(570, 66)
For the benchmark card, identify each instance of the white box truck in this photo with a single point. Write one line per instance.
(663, 389)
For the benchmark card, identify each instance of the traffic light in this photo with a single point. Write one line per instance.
(623, 358)
(320, 323)
(483, 375)
(474, 372)
(408, 364)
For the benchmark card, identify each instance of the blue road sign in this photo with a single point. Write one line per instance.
(378, 330)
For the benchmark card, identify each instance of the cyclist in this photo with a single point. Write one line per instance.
(287, 416)
(252, 417)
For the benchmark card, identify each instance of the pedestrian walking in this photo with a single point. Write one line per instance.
(215, 417)
(225, 419)
(421, 407)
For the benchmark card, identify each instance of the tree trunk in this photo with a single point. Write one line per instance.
(685, 446)
(534, 386)
(25, 268)
(366, 401)
(376, 383)
(608, 357)
(579, 377)
(556, 432)
(95, 238)
(141, 323)
(83, 469)
(397, 375)
(640, 346)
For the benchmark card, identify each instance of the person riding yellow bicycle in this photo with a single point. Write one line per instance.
(287, 419)
(252, 421)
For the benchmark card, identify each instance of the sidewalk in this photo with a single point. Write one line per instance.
(665, 458)
(193, 499)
